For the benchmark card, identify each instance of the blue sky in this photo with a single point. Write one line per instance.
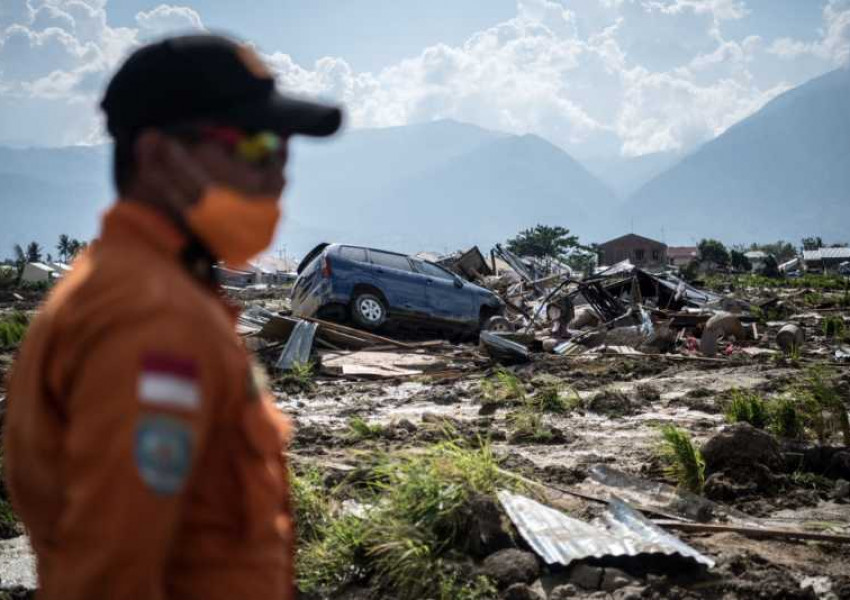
(596, 77)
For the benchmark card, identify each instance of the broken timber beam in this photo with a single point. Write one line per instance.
(786, 534)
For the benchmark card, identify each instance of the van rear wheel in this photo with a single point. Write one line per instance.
(368, 310)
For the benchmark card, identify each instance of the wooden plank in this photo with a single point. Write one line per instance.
(360, 333)
(785, 534)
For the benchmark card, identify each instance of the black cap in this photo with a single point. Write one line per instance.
(200, 77)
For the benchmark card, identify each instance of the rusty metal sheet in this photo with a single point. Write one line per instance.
(558, 538)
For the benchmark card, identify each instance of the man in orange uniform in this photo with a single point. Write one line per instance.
(141, 453)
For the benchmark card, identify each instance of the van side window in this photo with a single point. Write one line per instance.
(352, 253)
(393, 261)
(433, 271)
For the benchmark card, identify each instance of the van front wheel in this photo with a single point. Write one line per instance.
(368, 311)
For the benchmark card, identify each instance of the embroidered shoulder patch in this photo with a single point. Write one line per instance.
(163, 453)
(169, 382)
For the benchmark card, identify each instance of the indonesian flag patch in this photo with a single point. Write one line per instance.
(169, 382)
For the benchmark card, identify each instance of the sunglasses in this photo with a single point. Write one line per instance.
(253, 148)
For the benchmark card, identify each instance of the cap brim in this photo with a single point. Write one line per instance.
(286, 114)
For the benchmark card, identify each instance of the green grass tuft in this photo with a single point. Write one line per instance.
(786, 419)
(13, 328)
(833, 327)
(419, 507)
(311, 502)
(747, 406)
(554, 398)
(684, 460)
(825, 408)
(502, 387)
(359, 429)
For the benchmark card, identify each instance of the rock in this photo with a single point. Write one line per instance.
(586, 576)
(842, 490)
(720, 488)
(614, 579)
(562, 592)
(611, 403)
(631, 592)
(740, 446)
(790, 337)
(483, 524)
(839, 466)
(520, 591)
(510, 566)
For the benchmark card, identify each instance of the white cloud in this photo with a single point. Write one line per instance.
(596, 77)
(62, 51)
(167, 19)
(536, 74)
(720, 10)
(834, 43)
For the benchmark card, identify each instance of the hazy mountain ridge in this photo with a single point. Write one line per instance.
(438, 185)
(784, 172)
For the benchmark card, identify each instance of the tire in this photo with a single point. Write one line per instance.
(497, 323)
(368, 310)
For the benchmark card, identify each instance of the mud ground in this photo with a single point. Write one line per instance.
(623, 402)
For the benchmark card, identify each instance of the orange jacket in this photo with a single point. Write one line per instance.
(140, 452)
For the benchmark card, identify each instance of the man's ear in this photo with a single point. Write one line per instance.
(148, 150)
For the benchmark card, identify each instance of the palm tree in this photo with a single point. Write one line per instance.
(20, 260)
(33, 252)
(74, 246)
(64, 246)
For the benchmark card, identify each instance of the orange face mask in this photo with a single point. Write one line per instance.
(234, 226)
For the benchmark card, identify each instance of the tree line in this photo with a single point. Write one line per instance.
(555, 242)
(67, 248)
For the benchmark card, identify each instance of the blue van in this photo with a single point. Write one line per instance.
(374, 287)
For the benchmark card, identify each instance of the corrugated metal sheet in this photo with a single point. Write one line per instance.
(297, 349)
(560, 539)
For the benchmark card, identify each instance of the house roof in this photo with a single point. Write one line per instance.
(755, 254)
(827, 254)
(41, 267)
(681, 251)
(633, 237)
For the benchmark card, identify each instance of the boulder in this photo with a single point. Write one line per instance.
(739, 446)
(520, 591)
(510, 566)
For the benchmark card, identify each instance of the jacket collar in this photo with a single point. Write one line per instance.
(133, 222)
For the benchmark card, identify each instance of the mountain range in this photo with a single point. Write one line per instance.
(784, 172)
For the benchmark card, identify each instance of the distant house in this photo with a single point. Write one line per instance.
(36, 272)
(825, 260)
(757, 259)
(273, 270)
(642, 252)
(234, 277)
(680, 256)
(60, 268)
